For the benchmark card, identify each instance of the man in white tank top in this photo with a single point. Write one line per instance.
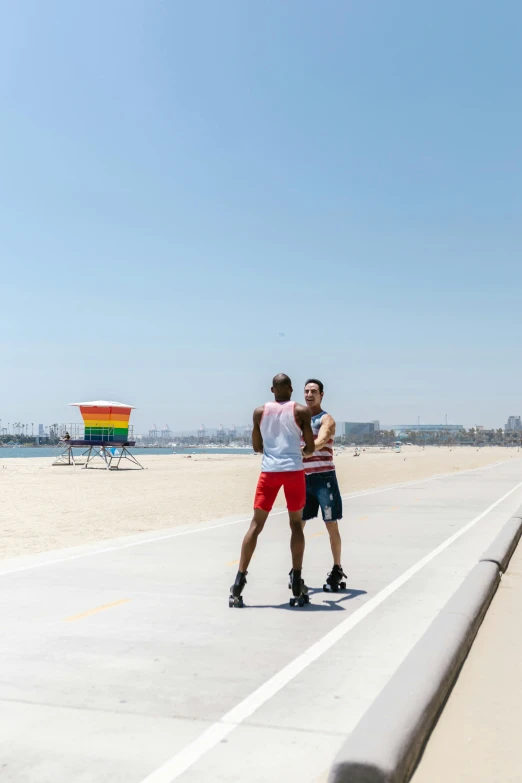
(278, 429)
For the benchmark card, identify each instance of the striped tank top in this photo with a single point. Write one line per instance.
(320, 461)
(281, 438)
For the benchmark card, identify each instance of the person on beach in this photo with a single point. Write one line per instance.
(279, 427)
(322, 489)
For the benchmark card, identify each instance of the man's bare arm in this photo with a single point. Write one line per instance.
(305, 422)
(257, 438)
(326, 431)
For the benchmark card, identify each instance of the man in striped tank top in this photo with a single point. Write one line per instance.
(278, 429)
(322, 489)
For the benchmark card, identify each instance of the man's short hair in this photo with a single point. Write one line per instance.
(318, 382)
(281, 379)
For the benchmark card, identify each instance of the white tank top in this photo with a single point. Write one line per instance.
(281, 438)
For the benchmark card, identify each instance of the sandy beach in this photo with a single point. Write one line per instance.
(44, 507)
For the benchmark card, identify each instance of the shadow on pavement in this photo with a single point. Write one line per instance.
(329, 604)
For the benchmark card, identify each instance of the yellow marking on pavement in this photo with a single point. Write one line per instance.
(235, 562)
(96, 610)
(322, 533)
(361, 519)
(393, 508)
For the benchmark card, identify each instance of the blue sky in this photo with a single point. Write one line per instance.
(180, 183)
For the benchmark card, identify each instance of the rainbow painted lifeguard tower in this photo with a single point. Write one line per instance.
(106, 434)
(105, 421)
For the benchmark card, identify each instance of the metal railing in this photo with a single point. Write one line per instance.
(80, 432)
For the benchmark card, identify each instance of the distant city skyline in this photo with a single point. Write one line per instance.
(514, 423)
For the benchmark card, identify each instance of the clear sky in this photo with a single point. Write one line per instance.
(181, 183)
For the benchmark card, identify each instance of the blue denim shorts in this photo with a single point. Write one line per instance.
(322, 490)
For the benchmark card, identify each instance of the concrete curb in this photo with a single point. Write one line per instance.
(517, 514)
(502, 548)
(387, 742)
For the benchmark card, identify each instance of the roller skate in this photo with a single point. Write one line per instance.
(235, 598)
(299, 589)
(334, 580)
(290, 579)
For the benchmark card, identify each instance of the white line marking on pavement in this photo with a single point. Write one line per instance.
(178, 764)
(352, 496)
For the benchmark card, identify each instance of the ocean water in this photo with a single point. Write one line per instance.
(44, 451)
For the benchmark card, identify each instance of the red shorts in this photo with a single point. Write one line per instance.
(269, 485)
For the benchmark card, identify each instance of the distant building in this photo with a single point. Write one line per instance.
(403, 429)
(376, 425)
(513, 424)
(479, 427)
(358, 427)
(41, 431)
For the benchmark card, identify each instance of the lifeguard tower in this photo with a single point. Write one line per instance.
(106, 434)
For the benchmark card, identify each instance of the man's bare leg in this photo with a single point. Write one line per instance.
(247, 550)
(250, 540)
(297, 539)
(336, 577)
(335, 541)
(297, 547)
